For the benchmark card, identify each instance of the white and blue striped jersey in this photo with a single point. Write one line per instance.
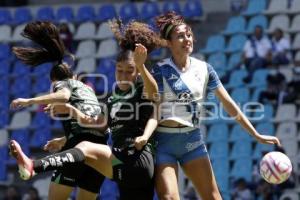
(183, 92)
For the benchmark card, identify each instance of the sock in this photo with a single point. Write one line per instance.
(59, 160)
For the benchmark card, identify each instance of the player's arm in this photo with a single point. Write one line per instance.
(60, 96)
(234, 111)
(99, 121)
(150, 85)
(149, 129)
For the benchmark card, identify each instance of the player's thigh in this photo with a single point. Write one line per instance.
(166, 182)
(98, 156)
(59, 192)
(199, 171)
(83, 194)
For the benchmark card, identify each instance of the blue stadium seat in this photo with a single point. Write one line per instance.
(5, 16)
(256, 93)
(260, 149)
(242, 168)
(192, 9)
(41, 85)
(234, 61)
(105, 66)
(255, 7)
(235, 25)
(56, 124)
(40, 121)
(214, 43)
(241, 149)
(4, 102)
(40, 137)
(128, 11)
(22, 15)
(45, 13)
(20, 69)
(109, 190)
(3, 158)
(236, 78)
(240, 95)
(64, 13)
(106, 12)
(218, 61)
(221, 171)
(219, 150)
(149, 10)
(4, 86)
(42, 70)
(259, 78)
(260, 20)
(21, 87)
(171, 6)
(238, 133)
(4, 119)
(4, 51)
(236, 43)
(266, 128)
(22, 137)
(4, 67)
(85, 13)
(266, 114)
(218, 132)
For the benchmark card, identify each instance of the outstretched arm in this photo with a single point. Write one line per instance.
(61, 96)
(234, 111)
(150, 85)
(99, 121)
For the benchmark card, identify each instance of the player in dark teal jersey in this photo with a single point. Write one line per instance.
(64, 89)
(130, 115)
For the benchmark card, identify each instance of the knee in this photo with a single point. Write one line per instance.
(167, 196)
(83, 146)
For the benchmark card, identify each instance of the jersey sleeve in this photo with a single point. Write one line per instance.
(213, 78)
(60, 85)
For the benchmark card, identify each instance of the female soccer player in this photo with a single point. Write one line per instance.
(65, 89)
(183, 81)
(130, 117)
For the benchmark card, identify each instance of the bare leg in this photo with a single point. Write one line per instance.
(199, 171)
(166, 182)
(98, 156)
(59, 192)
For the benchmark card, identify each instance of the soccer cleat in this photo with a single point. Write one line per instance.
(25, 164)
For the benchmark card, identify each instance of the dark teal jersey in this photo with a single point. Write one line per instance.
(128, 113)
(83, 98)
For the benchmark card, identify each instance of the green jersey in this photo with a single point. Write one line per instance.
(83, 98)
(128, 114)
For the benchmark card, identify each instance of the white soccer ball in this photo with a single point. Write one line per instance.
(275, 167)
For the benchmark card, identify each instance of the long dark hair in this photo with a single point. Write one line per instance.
(50, 49)
(132, 33)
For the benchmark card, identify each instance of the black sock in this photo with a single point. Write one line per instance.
(59, 160)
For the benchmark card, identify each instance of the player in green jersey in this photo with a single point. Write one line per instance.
(65, 90)
(130, 115)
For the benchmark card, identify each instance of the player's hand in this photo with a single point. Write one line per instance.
(19, 103)
(140, 55)
(267, 139)
(56, 109)
(140, 142)
(55, 145)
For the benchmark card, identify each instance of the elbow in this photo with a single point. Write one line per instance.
(65, 98)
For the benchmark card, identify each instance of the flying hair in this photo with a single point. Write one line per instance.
(50, 46)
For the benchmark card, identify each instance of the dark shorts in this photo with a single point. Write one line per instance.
(134, 174)
(80, 175)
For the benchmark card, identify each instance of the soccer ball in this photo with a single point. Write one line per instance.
(275, 167)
